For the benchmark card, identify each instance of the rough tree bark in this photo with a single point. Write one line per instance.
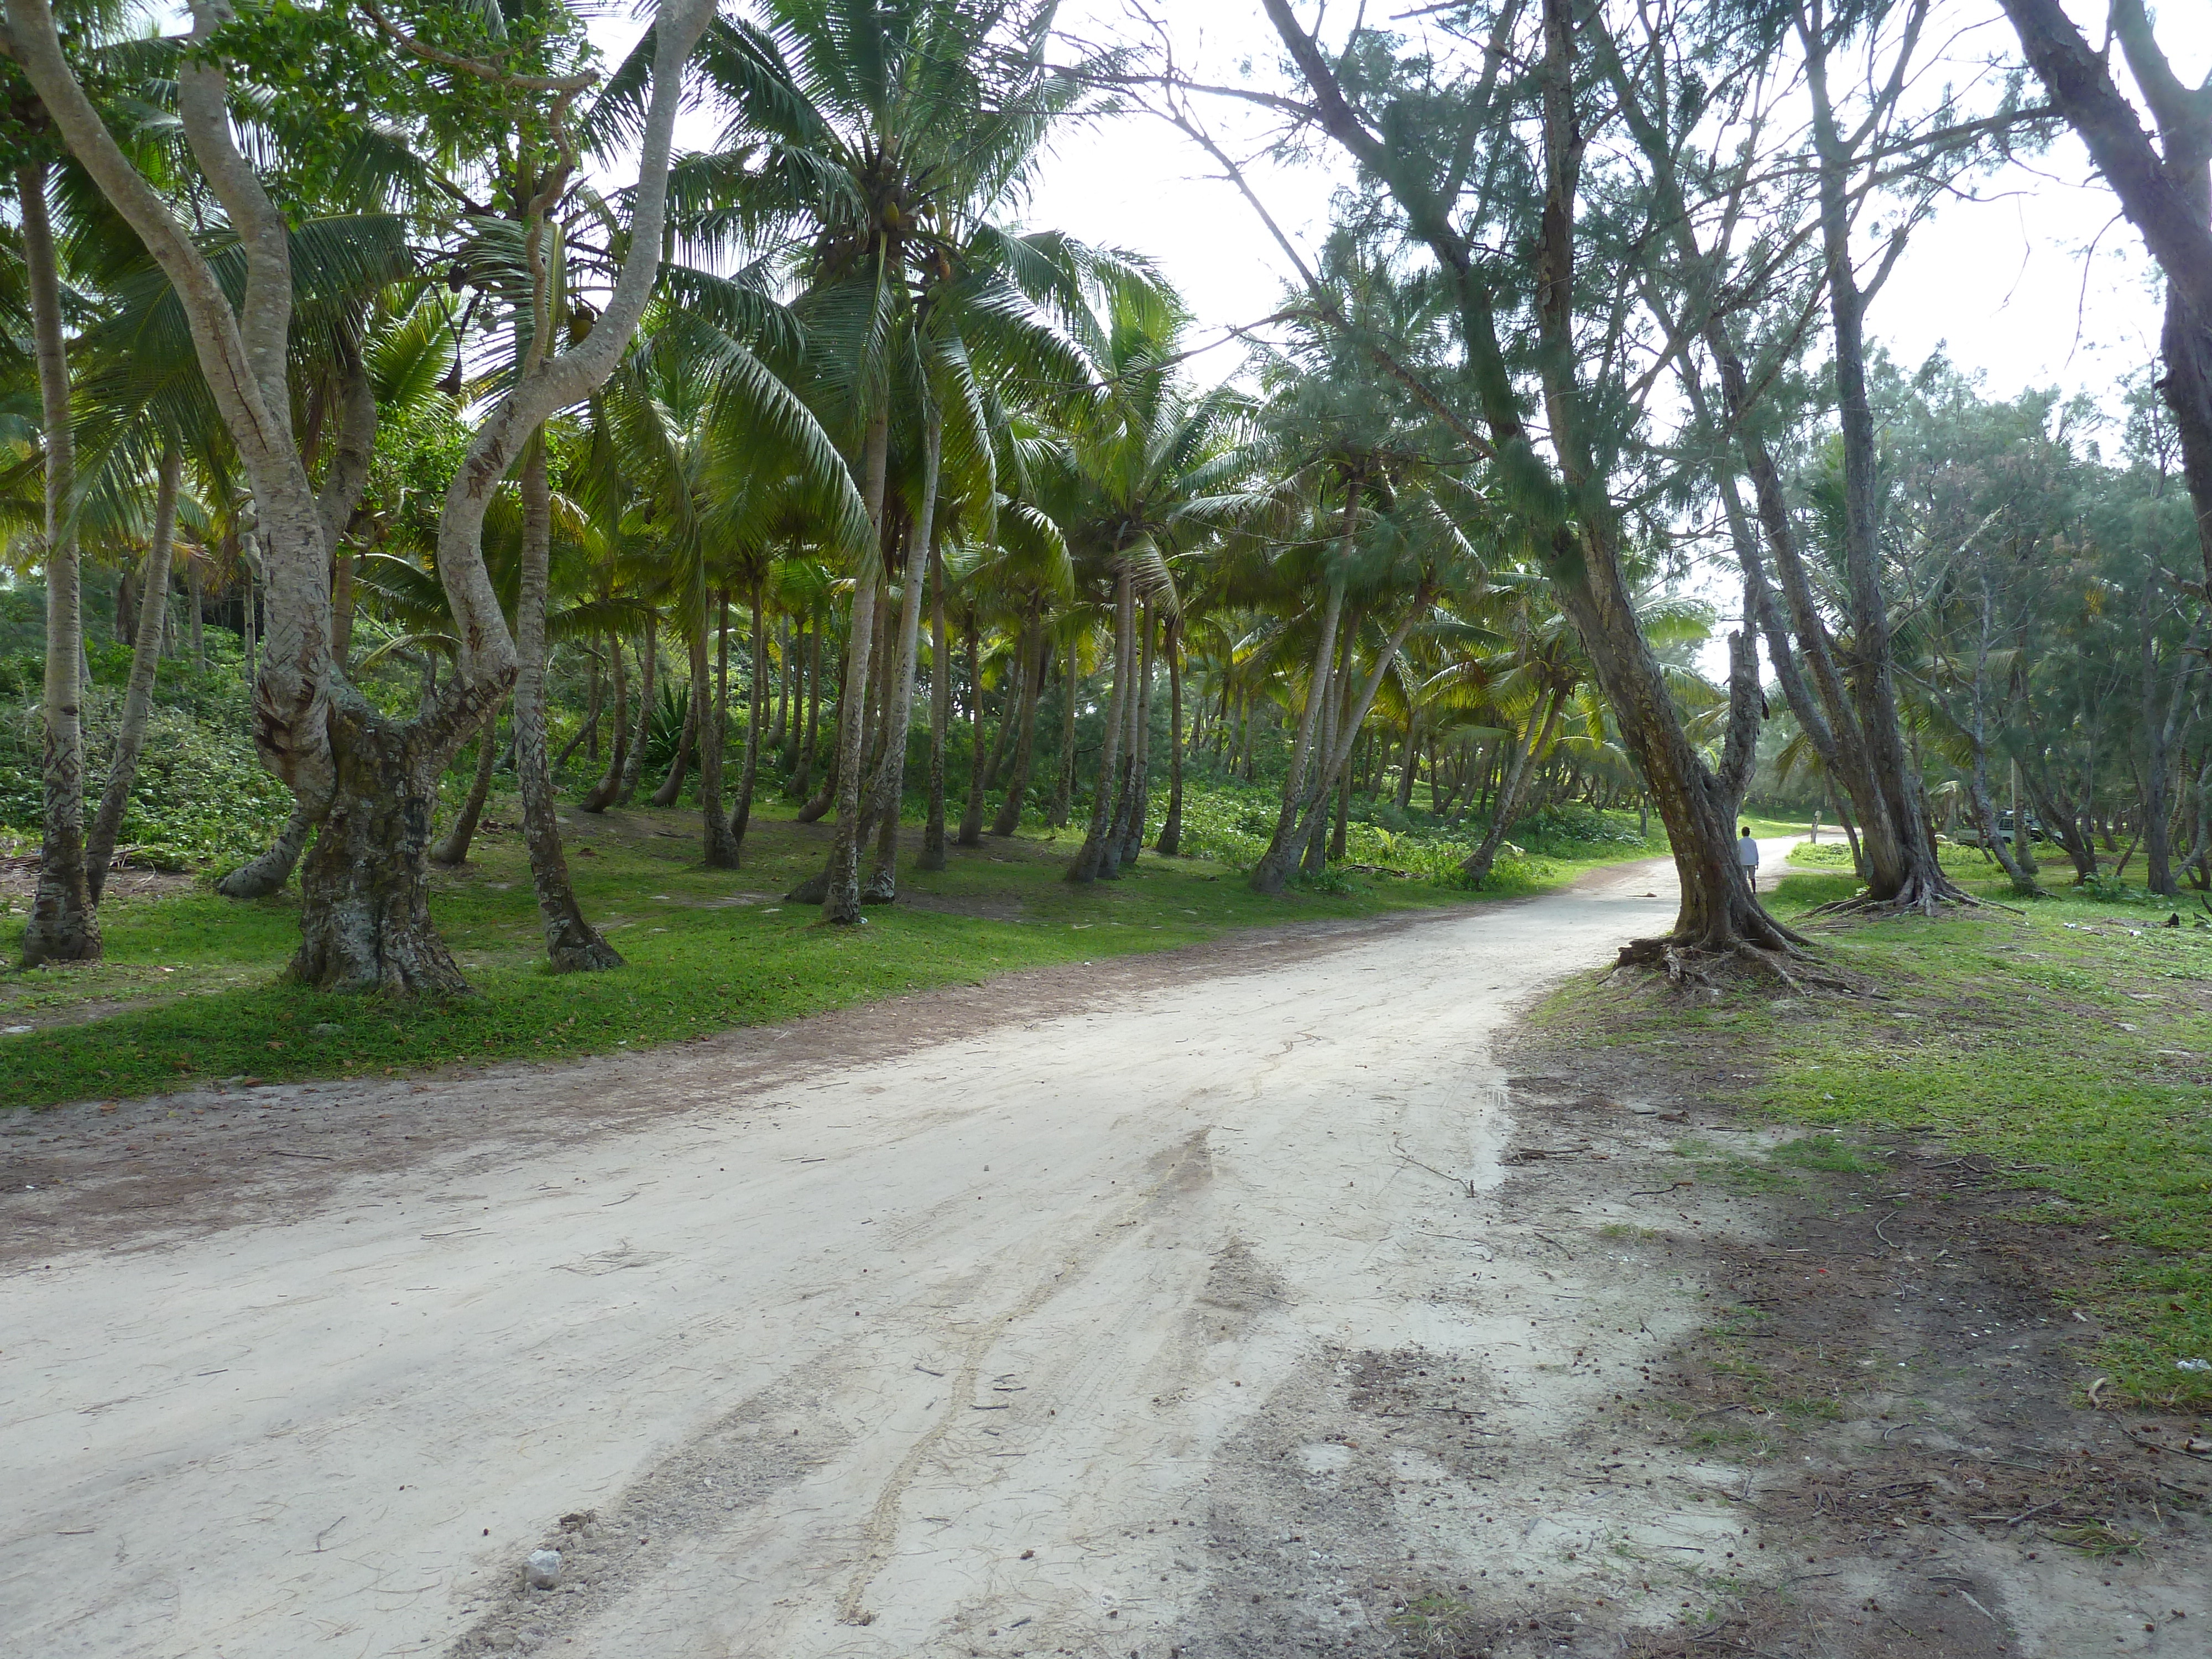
(2164, 195)
(63, 925)
(1581, 545)
(1091, 857)
(971, 813)
(1170, 842)
(882, 886)
(364, 916)
(841, 904)
(1272, 872)
(572, 943)
(633, 768)
(1139, 790)
(695, 697)
(1872, 670)
(145, 663)
(940, 719)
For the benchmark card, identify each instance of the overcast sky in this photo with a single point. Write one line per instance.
(2006, 283)
(2033, 283)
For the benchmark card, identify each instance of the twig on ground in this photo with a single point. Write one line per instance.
(1460, 1181)
(1662, 1191)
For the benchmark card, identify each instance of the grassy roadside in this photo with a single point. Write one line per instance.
(193, 986)
(2067, 1043)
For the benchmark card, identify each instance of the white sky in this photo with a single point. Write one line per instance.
(2006, 283)
(1998, 282)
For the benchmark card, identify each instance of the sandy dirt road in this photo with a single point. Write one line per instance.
(1021, 1341)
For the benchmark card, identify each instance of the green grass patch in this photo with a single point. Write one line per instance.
(2068, 1041)
(193, 987)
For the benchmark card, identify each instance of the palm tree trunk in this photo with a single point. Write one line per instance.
(572, 943)
(633, 769)
(192, 584)
(1029, 660)
(719, 852)
(840, 903)
(1091, 859)
(786, 658)
(971, 816)
(63, 926)
(940, 719)
(813, 671)
(688, 737)
(741, 815)
(1140, 750)
(603, 793)
(1170, 842)
(1476, 866)
(1070, 685)
(145, 661)
(1285, 848)
(898, 703)
(454, 849)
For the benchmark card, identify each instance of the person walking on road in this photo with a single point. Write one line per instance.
(1746, 858)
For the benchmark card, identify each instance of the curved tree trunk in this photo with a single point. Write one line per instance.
(940, 718)
(1286, 846)
(454, 848)
(1921, 884)
(1170, 842)
(687, 739)
(1476, 866)
(1090, 860)
(267, 873)
(572, 944)
(633, 771)
(63, 926)
(971, 814)
(1028, 668)
(145, 662)
(602, 793)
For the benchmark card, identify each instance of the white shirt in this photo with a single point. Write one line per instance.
(1747, 852)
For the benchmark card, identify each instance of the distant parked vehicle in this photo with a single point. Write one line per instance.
(1969, 834)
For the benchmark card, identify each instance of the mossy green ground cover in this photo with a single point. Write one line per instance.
(193, 987)
(2067, 1042)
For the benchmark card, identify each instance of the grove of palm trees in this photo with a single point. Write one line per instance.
(699, 777)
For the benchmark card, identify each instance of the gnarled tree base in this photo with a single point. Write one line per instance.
(365, 911)
(1689, 967)
(1922, 894)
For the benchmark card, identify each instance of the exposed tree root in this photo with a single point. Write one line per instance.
(1693, 967)
(1922, 894)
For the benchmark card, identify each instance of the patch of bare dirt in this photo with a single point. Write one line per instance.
(1882, 1384)
(19, 879)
